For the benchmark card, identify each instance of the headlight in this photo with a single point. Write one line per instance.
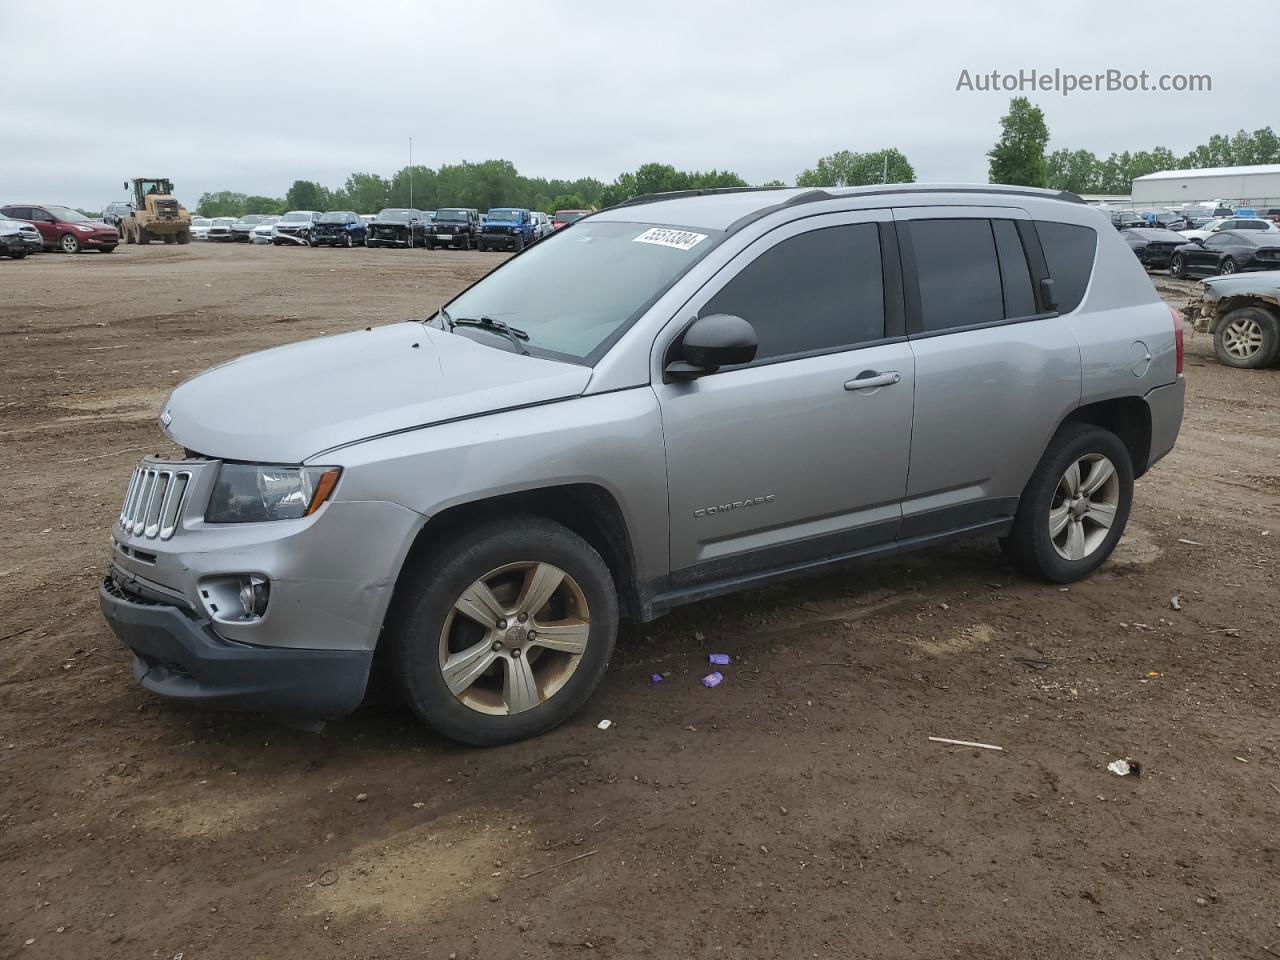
(85, 229)
(249, 493)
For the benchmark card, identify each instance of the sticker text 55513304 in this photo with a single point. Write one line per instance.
(666, 237)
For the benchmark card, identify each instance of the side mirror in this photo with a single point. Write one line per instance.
(1198, 240)
(126, 184)
(710, 343)
(1048, 295)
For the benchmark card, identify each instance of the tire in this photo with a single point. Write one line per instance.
(1177, 266)
(69, 243)
(509, 555)
(170, 239)
(346, 241)
(184, 236)
(466, 244)
(517, 244)
(1089, 529)
(1227, 267)
(1248, 338)
(110, 249)
(21, 254)
(143, 237)
(481, 246)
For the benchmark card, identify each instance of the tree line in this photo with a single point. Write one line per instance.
(1020, 156)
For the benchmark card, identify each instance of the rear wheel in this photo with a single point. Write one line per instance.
(69, 243)
(184, 236)
(1248, 337)
(1075, 506)
(143, 236)
(1227, 267)
(505, 633)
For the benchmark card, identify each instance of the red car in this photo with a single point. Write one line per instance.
(565, 217)
(62, 228)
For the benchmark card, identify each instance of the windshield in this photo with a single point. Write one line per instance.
(505, 213)
(199, 222)
(574, 290)
(400, 215)
(66, 213)
(450, 215)
(296, 217)
(252, 218)
(336, 216)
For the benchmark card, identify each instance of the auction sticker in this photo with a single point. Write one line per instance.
(663, 237)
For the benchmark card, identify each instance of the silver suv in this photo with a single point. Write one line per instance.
(674, 398)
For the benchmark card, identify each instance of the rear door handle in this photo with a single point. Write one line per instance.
(869, 379)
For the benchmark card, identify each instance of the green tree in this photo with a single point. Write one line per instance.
(664, 178)
(848, 169)
(263, 205)
(307, 195)
(363, 193)
(1074, 170)
(773, 183)
(224, 203)
(1018, 156)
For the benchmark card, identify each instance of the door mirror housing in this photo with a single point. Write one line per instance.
(710, 343)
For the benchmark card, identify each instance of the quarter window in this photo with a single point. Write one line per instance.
(816, 291)
(957, 272)
(1068, 252)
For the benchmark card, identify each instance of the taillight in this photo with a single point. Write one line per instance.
(1177, 337)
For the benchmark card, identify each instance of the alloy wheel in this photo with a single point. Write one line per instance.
(1228, 267)
(1084, 506)
(514, 638)
(70, 244)
(1242, 338)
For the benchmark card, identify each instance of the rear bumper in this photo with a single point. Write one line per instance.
(177, 655)
(1165, 405)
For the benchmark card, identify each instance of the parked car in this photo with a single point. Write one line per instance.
(338, 228)
(113, 213)
(1230, 251)
(12, 243)
(31, 237)
(62, 228)
(1273, 214)
(399, 227)
(294, 227)
(1197, 218)
(1230, 223)
(681, 397)
(1153, 246)
(242, 228)
(1223, 212)
(454, 227)
(1243, 314)
(219, 229)
(200, 228)
(261, 233)
(563, 218)
(1126, 220)
(541, 225)
(508, 228)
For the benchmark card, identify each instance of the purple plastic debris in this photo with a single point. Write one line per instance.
(713, 679)
(656, 678)
(719, 659)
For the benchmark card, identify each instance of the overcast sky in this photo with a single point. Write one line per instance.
(249, 96)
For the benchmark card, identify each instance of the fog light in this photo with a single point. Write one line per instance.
(254, 592)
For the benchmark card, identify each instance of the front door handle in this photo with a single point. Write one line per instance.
(869, 380)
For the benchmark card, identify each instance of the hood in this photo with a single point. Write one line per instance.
(1255, 283)
(291, 403)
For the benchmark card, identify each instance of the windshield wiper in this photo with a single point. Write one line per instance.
(514, 334)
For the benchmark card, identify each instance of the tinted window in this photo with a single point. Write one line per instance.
(1068, 251)
(1019, 301)
(815, 291)
(1220, 240)
(1250, 225)
(958, 274)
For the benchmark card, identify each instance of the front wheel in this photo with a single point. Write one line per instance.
(184, 236)
(69, 243)
(1075, 506)
(1248, 337)
(106, 249)
(1227, 267)
(346, 241)
(505, 632)
(518, 244)
(1177, 266)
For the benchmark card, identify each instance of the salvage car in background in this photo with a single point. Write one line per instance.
(338, 228)
(454, 227)
(219, 229)
(11, 242)
(62, 228)
(30, 236)
(1231, 251)
(242, 229)
(294, 227)
(200, 228)
(508, 228)
(1243, 314)
(1230, 223)
(113, 213)
(1153, 246)
(398, 227)
(261, 234)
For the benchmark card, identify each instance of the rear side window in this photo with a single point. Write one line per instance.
(816, 291)
(1068, 252)
(958, 274)
(1019, 301)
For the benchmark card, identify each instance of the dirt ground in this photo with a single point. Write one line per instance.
(798, 810)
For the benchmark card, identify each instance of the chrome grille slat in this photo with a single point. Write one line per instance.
(153, 501)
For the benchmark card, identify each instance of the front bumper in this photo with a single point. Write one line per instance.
(100, 240)
(177, 655)
(501, 239)
(13, 245)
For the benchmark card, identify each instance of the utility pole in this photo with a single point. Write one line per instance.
(411, 190)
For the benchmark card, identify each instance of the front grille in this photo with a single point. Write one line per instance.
(167, 209)
(153, 501)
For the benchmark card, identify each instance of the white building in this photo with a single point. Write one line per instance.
(1256, 186)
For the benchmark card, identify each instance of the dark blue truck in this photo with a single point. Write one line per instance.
(507, 228)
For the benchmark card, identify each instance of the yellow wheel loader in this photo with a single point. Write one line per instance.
(156, 213)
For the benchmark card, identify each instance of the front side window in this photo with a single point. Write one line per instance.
(572, 293)
(817, 291)
(958, 273)
(1220, 240)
